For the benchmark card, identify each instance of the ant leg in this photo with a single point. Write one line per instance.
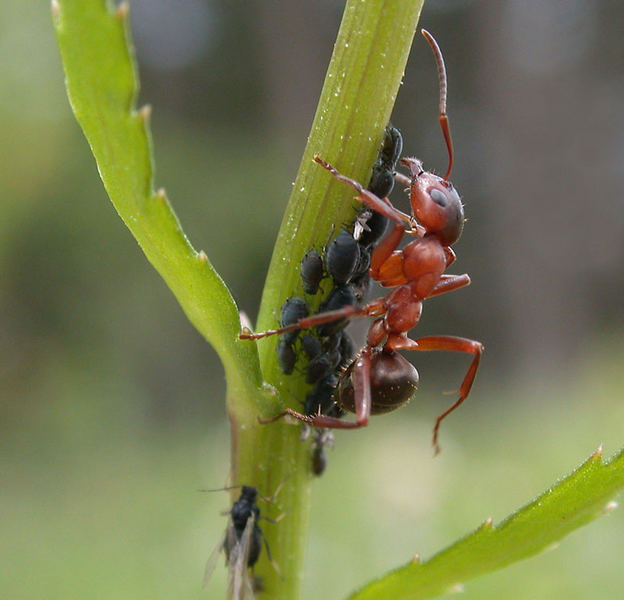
(450, 256)
(383, 251)
(403, 179)
(314, 420)
(362, 387)
(372, 309)
(307, 322)
(454, 344)
(448, 283)
(368, 198)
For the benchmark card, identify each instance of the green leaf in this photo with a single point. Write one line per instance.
(102, 86)
(574, 501)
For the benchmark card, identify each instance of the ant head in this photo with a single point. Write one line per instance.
(435, 203)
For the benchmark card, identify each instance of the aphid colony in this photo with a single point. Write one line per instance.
(327, 349)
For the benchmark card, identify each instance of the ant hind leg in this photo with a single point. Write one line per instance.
(453, 344)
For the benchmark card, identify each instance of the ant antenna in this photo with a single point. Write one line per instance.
(223, 489)
(444, 122)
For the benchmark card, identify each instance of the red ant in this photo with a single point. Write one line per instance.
(380, 380)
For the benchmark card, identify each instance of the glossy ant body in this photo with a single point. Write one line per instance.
(415, 273)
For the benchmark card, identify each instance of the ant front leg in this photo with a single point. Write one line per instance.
(372, 309)
(383, 251)
(366, 197)
(453, 344)
(346, 312)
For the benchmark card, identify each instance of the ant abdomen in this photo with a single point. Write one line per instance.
(393, 381)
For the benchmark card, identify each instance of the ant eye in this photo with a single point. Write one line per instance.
(438, 197)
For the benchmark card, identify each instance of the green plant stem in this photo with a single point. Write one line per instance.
(360, 88)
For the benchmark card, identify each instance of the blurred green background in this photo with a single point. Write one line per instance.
(111, 411)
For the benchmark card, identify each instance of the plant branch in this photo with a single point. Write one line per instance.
(358, 95)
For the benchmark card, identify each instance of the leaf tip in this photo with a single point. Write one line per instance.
(123, 10)
(551, 547)
(145, 112)
(245, 321)
(597, 456)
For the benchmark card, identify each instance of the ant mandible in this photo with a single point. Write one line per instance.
(380, 380)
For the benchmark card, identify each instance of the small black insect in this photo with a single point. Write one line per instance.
(382, 179)
(373, 225)
(322, 357)
(346, 349)
(311, 346)
(339, 297)
(245, 514)
(292, 310)
(322, 439)
(312, 271)
(242, 545)
(320, 400)
(343, 256)
(286, 355)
